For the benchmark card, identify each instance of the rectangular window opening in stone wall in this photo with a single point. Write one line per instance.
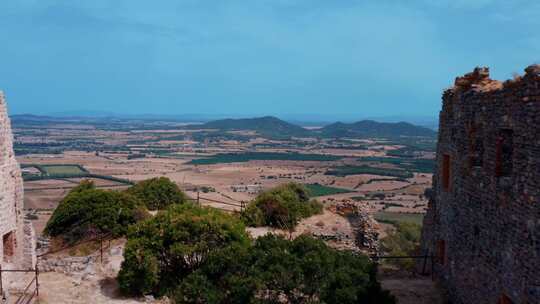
(446, 172)
(504, 160)
(504, 299)
(476, 148)
(8, 241)
(441, 252)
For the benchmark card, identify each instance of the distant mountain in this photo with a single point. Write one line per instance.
(83, 113)
(370, 129)
(266, 126)
(270, 126)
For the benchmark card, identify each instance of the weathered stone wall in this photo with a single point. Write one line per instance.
(483, 221)
(16, 246)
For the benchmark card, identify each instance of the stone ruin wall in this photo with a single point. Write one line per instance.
(17, 237)
(483, 220)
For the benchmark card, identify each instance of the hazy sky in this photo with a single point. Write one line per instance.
(251, 57)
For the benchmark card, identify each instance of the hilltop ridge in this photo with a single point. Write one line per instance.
(371, 128)
(266, 126)
(274, 127)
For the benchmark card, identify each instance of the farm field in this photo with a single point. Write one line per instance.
(410, 164)
(246, 157)
(352, 170)
(394, 217)
(63, 169)
(386, 177)
(317, 190)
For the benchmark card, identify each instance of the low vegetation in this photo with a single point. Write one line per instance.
(158, 193)
(403, 241)
(225, 158)
(201, 255)
(276, 270)
(281, 207)
(87, 211)
(165, 249)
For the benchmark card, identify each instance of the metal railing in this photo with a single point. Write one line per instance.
(29, 294)
(427, 260)
(200, 199)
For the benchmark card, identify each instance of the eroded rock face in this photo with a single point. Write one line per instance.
(17, 249)
(483, 220)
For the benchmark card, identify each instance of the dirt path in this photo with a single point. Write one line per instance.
(409, 290)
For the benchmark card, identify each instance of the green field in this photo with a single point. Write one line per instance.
(410, 164)
(352, 170)
(321, 190)
(63, 169)
(245, 157)
(395, 217)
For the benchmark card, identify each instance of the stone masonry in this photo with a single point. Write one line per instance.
(483, 220)
(17, 239)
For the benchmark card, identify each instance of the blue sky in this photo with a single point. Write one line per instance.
(340, 58)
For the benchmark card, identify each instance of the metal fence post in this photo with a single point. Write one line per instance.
(101, 248)
(1, 287)
(432, 268)
(37, 283)
(425, 263)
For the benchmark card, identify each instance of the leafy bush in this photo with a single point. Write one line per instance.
(163, 250)
(87, 211)
(404, 241)
(275, 270)
(158, 193)
(283, 206)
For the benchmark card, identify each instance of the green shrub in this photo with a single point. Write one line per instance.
(276, 270)
(158, 193)
(404, 241)
(281, 207)
(253, 216)
(163, 250)
(87, 211)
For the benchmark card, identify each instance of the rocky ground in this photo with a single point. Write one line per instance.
(84, 280)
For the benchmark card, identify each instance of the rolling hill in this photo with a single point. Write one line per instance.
(372, 129)
(266, 126)
(273, 127)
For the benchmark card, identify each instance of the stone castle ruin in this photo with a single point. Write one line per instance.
(17, 245)
(483, 220)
